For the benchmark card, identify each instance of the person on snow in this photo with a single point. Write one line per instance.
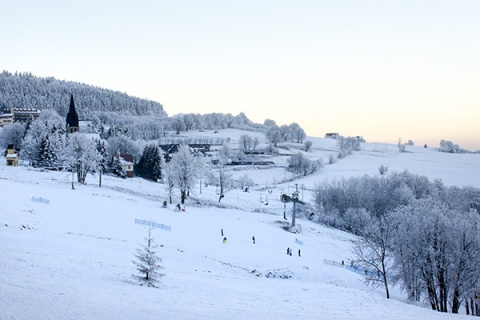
(253, 239)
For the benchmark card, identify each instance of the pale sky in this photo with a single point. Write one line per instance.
(380, 69)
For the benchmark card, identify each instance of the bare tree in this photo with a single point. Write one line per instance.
(372, 251)
(223, 177)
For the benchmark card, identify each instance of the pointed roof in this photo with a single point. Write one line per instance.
(72, 116)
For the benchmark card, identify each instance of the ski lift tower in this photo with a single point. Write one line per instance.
(294, 198)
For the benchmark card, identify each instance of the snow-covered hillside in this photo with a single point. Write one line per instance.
(71, 258)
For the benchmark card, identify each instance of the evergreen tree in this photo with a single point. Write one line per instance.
(102, 165)
(117, 167)
(148, 263)
(151, 163)
(47, 155)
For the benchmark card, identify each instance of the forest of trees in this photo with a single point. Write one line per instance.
(413, 231)
(24, 90)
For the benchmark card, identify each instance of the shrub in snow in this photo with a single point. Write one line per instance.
(450, 147)
(332, 159)
(383, 169)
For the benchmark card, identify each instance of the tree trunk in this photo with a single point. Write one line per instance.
(385, 281)
(183, 195)
(455, 301)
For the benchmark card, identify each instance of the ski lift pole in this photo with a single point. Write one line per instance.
(294, 200)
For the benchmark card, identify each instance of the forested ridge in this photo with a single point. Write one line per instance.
(24, 90)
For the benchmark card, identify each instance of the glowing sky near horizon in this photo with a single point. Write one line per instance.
(380, 69)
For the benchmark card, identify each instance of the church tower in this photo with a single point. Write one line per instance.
(72, 118)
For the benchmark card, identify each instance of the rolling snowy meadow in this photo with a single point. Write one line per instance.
(67, 253)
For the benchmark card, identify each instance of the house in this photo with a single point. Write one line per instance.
(24, 114)
(6, 119)
(127, 164)
(12, 156)
(332, 135)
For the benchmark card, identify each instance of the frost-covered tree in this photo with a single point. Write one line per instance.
(121, 144)
(350, 143)
(35, 146)
(12, 134)
(225, 153)
(184, 170)
(450, 147)
(81, 155)
(47, 156)
(466, 259)
(169, 179)
(372, 251)
(296, 132)
(103, 164)
(269, 123)
(245, 182)
(308, 145)
(437, 247)
(117, 168)
(245, 143)
(274, 135)
(302, 166)
(255, 142)
(222, 177)
(178, 124)
(101, 148)
(148, 263)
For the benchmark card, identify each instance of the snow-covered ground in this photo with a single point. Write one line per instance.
(72, 258)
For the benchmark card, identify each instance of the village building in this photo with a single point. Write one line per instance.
(25, 114)
(127, 164)
(12, 156)
(72, 118)
(6, 119)
(332, 135)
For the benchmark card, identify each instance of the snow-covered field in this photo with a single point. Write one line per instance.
(72, 258)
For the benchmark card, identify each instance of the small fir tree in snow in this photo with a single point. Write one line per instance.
(117, 167)
(47, 155)
(148, 263)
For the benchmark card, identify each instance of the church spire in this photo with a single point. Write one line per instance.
(72, 117)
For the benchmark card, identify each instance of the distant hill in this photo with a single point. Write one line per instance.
(24, 90)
